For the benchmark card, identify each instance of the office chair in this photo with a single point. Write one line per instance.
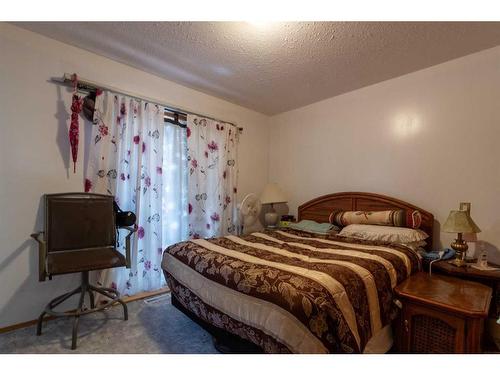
(80, 236)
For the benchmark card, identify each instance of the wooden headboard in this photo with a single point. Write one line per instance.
(319, 209)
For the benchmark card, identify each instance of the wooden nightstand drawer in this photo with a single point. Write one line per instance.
(441, 315)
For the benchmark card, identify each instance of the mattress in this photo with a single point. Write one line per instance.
(292, 292)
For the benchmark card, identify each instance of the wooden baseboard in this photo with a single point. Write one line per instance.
(125, 299)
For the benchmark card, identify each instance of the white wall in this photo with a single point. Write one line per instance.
(34, 150)
(430, 138)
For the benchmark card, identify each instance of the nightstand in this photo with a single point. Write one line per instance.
(488, 278)
(441, 314)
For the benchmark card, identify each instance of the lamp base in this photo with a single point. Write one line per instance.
(460, 247)
(271, 218)
(458, 262)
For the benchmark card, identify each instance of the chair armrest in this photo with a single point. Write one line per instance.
(42, 255)
(131, 231)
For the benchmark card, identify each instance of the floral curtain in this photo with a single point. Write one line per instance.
(126, 159)
(213, 174)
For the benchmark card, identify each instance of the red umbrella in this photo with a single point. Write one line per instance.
(76, 108)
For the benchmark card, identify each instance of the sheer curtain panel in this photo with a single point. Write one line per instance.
(127, 159)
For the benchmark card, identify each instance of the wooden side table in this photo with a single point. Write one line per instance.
(488, 278)
(441, 314)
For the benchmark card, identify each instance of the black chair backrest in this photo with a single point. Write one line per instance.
(79, 221)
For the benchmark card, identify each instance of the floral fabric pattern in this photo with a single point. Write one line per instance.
(297, 272)
(193, 303)
(213, 174)
(126, 160)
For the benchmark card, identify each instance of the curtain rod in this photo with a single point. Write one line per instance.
(86, 85)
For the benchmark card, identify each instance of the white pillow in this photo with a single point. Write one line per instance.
(417, 245)
(383, 233)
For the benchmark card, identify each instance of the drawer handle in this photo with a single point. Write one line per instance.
(406, 325)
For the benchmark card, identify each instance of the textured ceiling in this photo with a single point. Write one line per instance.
(279, 66)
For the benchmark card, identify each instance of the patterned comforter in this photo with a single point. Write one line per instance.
(289, 291)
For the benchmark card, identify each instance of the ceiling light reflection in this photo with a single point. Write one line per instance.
(406, 125)
(259, 23)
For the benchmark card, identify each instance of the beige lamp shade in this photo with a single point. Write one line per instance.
(273, 194)
(460, 222)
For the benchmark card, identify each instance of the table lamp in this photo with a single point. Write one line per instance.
(460, 222)
(272, 194)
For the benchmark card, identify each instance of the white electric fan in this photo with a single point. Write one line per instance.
(248, 212)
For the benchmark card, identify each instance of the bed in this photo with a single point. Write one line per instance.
(287, 291)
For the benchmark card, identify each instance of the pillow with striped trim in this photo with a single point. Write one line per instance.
(394, 218)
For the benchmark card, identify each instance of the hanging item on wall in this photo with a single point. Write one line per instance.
(89, 106)
(76, 108)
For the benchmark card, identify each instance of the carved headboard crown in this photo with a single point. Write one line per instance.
(319, 209)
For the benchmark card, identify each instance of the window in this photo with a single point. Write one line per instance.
(175, 180)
